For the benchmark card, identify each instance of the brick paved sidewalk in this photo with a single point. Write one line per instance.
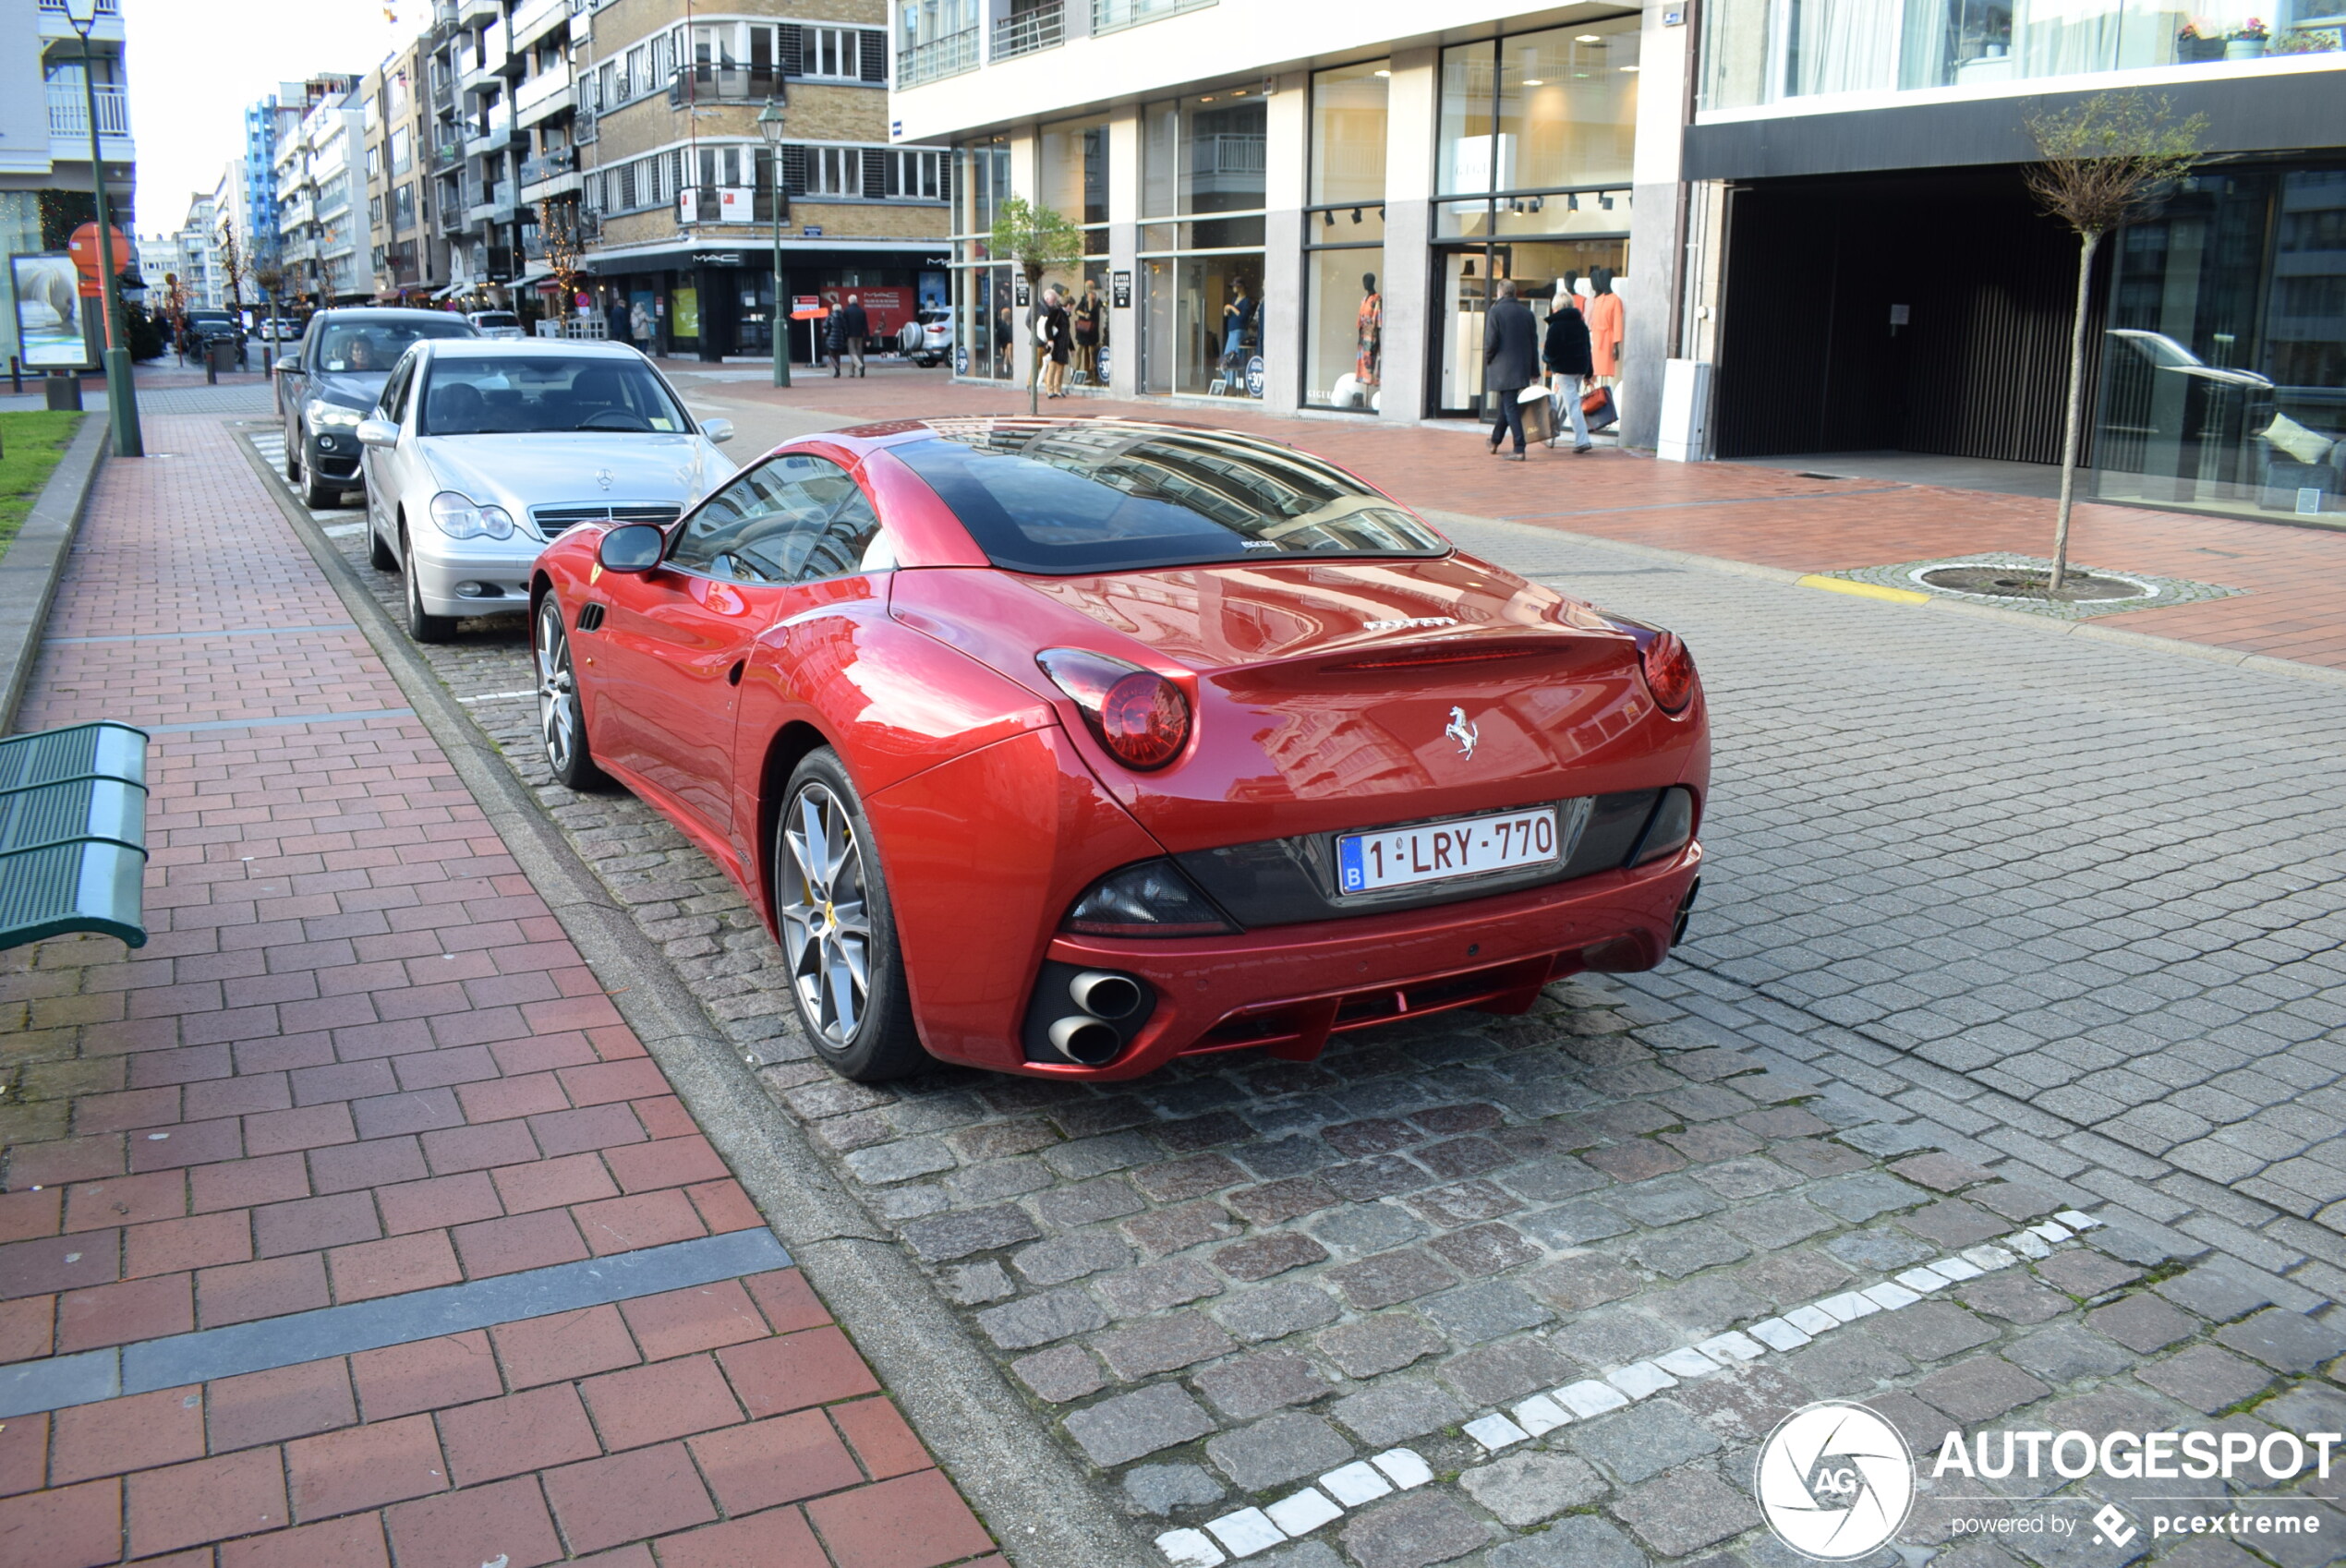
(2294, 607)
(360, 1087)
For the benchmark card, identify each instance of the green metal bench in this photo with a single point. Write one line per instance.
(73, 834)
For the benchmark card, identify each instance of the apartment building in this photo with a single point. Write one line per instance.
(680, 189)
(1881, 279)
(188, 255)
(45, 131)
(316, 178)
(1310, 206)
(406, 259)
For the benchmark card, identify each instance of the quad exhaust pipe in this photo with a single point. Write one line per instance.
(1089, 1038)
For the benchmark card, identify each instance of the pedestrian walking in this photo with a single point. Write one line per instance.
(834, 332)
(1511, 357)
(1089, 316)
(855, 326)
(1058, 341)
(1565, 355)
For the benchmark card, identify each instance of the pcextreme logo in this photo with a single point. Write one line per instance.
(1835, 1481)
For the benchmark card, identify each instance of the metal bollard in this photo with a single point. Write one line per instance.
(210, 369)
(16, 375)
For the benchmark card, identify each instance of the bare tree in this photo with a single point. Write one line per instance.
(2100, 162)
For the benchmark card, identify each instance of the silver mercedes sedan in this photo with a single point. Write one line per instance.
(479, 452)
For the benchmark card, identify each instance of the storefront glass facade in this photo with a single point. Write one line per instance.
(1200, 255)
(2223, 373)
(1344, 239)
(1073, 176)
(985, 321)
(1536, 135)
(1758, 52)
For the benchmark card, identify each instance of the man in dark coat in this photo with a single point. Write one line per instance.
(858, 326)
(1511, 354)
(1566, 355)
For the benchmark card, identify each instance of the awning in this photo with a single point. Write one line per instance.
(452, 288)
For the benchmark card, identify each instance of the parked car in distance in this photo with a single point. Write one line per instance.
(482, 451)
(1069, 747)
(332, 379)
(927, 338)
(216, 326)
(496, 323)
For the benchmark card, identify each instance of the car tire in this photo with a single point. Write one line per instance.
(866, 1036)
(561, 716)
(421, 625)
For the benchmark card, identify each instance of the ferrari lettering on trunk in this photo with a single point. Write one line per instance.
(1434, 851)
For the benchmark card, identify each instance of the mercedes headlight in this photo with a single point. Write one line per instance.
(459, 518)
(330, 415)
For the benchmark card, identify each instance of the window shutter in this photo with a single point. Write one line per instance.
(878, 173)
(945, 177)
(875, 56)
(789, 56)
(794, 170)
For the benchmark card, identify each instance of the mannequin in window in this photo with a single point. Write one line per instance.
(1367, 346)
(1605, 322)
(1570, 289)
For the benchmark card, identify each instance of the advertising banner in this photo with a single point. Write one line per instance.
(48, 298)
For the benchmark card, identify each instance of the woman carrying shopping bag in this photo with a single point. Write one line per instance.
(1566, 355)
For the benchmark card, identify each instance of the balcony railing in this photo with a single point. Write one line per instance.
(560, 163)
(538, 89)
(69, 113)
(1023, 32)
(943, 56)
(1107, 16)
(707, 84)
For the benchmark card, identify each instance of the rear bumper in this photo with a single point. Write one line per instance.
(1286, 989)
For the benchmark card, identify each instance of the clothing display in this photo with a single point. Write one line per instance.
(1605, 323)
(1368, 344)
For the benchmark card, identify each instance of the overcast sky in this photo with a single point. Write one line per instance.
(195, 64)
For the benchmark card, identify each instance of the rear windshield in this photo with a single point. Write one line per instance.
(496, 318)
(1069, 500)
(524, 393)
(357, 347)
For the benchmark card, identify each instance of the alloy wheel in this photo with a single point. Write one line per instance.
(557, 686)
(826, 921)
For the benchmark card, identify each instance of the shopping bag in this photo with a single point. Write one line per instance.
(1538, 414)
(1597, 408)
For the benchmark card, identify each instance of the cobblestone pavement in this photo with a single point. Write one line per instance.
(1997, 926)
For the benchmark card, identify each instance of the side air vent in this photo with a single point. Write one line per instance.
(590, 616)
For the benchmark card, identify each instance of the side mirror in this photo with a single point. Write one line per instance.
(290, 364)
(377, 432)
(718, 430)
(631, 548)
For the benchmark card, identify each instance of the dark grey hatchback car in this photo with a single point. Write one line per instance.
(330, 381)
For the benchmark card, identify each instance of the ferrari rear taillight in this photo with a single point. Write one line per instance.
(1140, 717)
(1154, 899)
(1669, 670)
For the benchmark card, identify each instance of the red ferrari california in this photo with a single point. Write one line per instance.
(1069, 746)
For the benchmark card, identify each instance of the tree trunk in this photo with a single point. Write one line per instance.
(2087, 244)
(1033, 349)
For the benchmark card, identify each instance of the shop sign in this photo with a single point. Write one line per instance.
(716, 257)
(1254, 377)
(688, 205)
(734, 204)
(807, 308)
(1120, 289)
(813, 230)
(1019, 294)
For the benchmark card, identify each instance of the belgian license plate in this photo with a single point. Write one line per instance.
(1432, 851)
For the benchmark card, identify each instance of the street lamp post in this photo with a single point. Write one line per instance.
(770, 125)
(122, 403)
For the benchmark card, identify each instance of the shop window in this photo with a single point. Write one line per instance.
(1343, 235)
(1075, 170)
